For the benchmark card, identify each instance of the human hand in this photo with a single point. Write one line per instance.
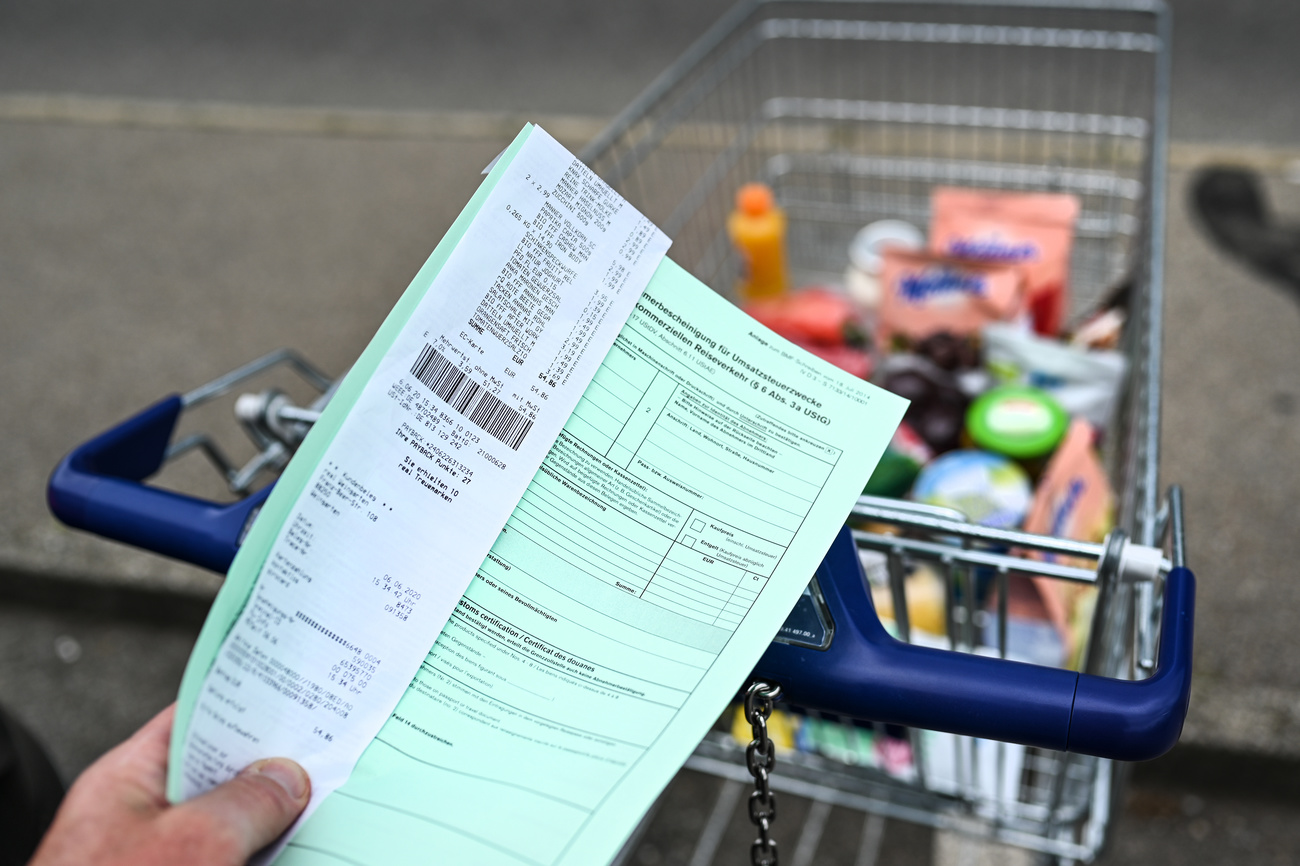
(117, 813)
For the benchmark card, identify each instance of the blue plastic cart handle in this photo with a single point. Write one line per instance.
(867, 674)
(98, 488)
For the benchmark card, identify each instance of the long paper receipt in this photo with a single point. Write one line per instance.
(630, 581)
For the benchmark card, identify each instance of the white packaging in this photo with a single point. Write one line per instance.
(1085, 383)
(862, 277)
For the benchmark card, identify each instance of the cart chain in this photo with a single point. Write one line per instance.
(760, 757)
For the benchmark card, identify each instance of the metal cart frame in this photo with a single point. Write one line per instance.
(853, 111)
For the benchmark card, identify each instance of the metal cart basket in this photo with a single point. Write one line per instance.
(853, 112)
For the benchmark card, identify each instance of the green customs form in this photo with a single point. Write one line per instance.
(671, 528)
(672, 525)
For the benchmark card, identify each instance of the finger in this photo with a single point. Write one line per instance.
(251, 810)
(156, 733)
(152, 738)
(150, 747)
(146, 750)
(135, 771)
(112, 800)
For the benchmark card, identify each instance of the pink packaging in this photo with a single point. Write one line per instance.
(923, 294)
(1074, 500)
(1031, 230)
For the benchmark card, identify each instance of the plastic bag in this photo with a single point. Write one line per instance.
(1085, 383)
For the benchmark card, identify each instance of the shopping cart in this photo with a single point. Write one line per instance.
(852, 112)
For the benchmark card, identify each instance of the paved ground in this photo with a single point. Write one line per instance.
(136, 262)
(138, 259)
(1231, 430)
(85, 680)
(1232, 62)
(140, 262)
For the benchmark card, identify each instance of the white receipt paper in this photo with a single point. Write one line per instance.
(423, 472)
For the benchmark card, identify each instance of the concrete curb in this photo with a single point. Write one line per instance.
(285, 120)
(380, 123)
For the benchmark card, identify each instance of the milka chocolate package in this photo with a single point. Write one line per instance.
(1033, 231)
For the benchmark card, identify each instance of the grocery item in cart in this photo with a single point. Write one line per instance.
(1101, 331)
(846, 743)
(1037, 621)
(852, 361)
(897, 470)
(949, 351)
(937, 410)
(813, 315)
(1075, 501)
(783, 727)
(927, 600)
(988, 488)
(866, 257)
(757, 229)
(923, 294)
(1031, 230)
(1017, 421)
(1085, 382)
(822, 321)
(988, 771)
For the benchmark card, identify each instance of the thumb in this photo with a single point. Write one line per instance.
(251, 810)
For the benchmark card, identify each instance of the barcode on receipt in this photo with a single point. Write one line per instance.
(468, 398)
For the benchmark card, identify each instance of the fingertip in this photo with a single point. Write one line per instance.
(248, 812)
(288, 774)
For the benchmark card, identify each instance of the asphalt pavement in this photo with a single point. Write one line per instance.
(166, 216)
(1233, 62)
(85, 679)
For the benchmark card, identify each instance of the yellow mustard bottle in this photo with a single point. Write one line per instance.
(757, 228)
